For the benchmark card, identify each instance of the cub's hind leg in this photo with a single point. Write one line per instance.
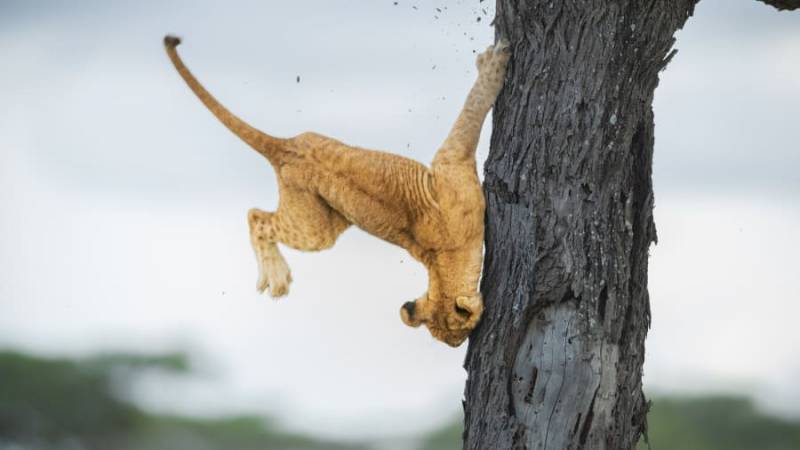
(303, 221)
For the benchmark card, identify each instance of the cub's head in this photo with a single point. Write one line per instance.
(449, 320)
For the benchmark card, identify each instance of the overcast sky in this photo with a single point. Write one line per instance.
(123, 202)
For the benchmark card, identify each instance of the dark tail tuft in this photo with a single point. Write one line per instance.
(171, 41)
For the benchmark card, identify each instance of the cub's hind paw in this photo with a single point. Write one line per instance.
(275, 276)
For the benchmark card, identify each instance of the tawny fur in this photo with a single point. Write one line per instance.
(435, 213)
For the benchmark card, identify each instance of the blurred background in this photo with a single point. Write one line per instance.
(128, 312)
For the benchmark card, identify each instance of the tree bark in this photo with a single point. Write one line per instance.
(783, 4)
(556, 362)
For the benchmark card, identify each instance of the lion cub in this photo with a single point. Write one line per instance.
(435, 213)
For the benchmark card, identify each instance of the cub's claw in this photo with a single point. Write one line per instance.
(502, 46)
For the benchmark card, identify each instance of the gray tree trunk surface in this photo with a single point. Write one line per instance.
(556, 362)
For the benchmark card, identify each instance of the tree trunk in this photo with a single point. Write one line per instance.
(557, 360)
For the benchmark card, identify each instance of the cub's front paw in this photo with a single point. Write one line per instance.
(492, 65)
(494, 59)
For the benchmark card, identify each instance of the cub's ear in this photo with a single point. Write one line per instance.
(472, 308)
(408, 314)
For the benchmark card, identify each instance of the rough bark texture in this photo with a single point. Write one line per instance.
(557, 360)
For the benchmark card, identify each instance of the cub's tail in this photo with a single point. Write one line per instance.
(267, 145)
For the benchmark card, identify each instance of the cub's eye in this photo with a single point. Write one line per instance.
(463, 312)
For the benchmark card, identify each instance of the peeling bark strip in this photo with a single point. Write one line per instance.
(557, 360)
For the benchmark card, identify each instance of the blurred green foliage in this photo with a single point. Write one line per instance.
(55, 404)
(711, 423)
(63, 404)
(688, 423)
(446, 438)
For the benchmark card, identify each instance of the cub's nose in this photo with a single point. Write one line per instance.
(408, 314)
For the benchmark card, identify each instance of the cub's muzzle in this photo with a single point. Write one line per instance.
(408, 314)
